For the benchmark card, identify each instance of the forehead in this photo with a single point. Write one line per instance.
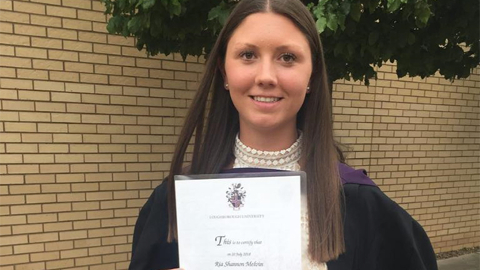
(268, 29)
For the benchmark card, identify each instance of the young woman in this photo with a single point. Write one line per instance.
(267, 81)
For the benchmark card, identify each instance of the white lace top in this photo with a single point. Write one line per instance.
(286, 159)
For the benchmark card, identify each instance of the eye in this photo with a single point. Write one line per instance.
(247, 55)
(288, 57)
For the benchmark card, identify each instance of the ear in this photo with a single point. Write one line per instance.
(221, 67)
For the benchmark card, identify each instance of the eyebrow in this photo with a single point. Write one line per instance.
(279, 48)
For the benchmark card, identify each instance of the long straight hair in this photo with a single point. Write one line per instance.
(214, 139)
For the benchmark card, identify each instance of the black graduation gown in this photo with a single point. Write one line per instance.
(379, 234)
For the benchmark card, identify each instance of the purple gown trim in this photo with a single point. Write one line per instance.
(348, 174)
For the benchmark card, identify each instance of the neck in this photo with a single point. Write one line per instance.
(271, 140)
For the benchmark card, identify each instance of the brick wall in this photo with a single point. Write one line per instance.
(87, 128)
(420, 141)
(88, 124)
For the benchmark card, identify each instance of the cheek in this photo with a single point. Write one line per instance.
(295, 83)
(239, 78)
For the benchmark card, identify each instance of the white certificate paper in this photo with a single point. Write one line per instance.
(248, 221)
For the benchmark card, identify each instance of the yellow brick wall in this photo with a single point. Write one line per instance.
(88, 124)
(420, 141)
(87, 128)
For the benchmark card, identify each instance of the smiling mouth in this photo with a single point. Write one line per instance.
(266, 99)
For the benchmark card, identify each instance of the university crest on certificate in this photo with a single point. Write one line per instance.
(240, 221)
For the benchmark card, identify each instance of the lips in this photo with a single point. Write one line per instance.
(266, 99)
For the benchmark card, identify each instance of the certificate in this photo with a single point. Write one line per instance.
(240, 221)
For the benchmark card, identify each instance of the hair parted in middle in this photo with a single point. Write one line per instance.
(215, 138)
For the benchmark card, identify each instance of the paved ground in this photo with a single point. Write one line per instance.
(464, 262)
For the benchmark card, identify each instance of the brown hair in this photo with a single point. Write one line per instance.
(214, 141)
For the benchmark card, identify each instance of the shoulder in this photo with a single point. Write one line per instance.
(350, 175)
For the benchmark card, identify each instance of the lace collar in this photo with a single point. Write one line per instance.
(286, 159)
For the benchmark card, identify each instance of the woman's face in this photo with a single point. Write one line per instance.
(267, 68)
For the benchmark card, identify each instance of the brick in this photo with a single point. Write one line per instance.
(26, 229)
(61, 264)
(122, 80)
(71, 197)
(199, 68)
(14, 16)
(43, 237)
(149, 63)
(42, 218)
(6, 27)
(22, 148)
(53, 148)
(91, 16)
(79, 67)
(77, 46)
(54, 168)
(94, 78)
(31, 52)
(15, 259)
(98, 119)
(77, 24)
(99, 99)
(81, 108)
(50, 107)
(30, 248)
(64, 76)
(96, 138)
(70, 178)
(109, 109)
(11, 179)
(84, 168)
(46, 43)
(45, 20)
(40, 198)
(60, 245)
(24, 189)
(58, 226)
(12, 220)
(53, 128)
(45, 256)
(47, 64)
(129, 51)
(120, 40)
(14, 62)
(59, 138)
(10, 159)
(66, 97)
(18, 106)
(14, 40)
(79, 206)
(121, 60)
(7, 72)
(77, 4)
(107, 69)
(61, 12)
(82, 128)
(94, 38)
(16, 84)
(107, 89)
(88, 261)
(146, 82)
(30, 30)
(73, 235)
(34, 117)
(32, 74)
(38, 158)
(93, 58)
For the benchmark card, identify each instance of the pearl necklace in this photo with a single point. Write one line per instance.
(286, 159)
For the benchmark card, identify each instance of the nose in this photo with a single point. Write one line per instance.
(266, 76)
